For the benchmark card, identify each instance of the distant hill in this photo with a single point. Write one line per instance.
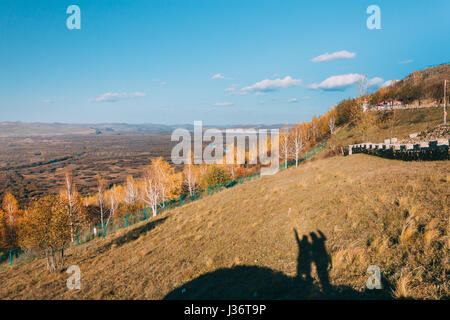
(25, 129)
(419, 86)
(11, 129)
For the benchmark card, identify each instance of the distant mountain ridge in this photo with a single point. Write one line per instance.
(26, 129)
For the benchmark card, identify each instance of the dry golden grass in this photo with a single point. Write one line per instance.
(409, 121)
(373, 211)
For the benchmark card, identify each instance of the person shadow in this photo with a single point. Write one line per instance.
(314, 252)
(254, 282)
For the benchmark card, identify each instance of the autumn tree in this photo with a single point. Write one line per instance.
(237, 155)
(191, 177)
(3, 232)
(46, 227)
(367, 120)
(152, 191)
(216, 174)
(191, 174)
(393, 121)
(203, 168)
(347, 111)
(332, 120)
(101, 200)
(299, 136)
(131, 191)
(315, 128)
(167, 180)
(113, 198)
(76, 212)
(285, 145)
(10, 219)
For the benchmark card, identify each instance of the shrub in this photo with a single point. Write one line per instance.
(216, 174)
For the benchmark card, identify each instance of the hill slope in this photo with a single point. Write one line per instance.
(408, 122)
(373, 212)
(426, 85)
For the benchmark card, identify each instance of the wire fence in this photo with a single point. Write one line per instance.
(85, 235)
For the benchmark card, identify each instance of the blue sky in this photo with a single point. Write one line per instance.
(222, 62)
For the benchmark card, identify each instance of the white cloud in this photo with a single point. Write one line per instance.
(237, 93)
(342, 82)
(61, 99)
(334, 56)
(223, 104)
(232, 91)
(293, 100)
(388, 83)
(113, 97)
(406, 61)
(336, 83)
(272, 85)
(375, 82)
(163, 83)
(218, 76)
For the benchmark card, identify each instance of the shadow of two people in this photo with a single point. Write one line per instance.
(313, 252)
(252, 282)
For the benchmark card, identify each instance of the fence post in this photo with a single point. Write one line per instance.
(208, 190)
(145, 212)
(164, 205)
(195, 196)
(126, 219)
(78, 241)
(10, 258)
(104, 230)
(240, 180)
(181, 201)
(259, 174)
(220, 189)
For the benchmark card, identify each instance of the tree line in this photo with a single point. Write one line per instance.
(49, 224)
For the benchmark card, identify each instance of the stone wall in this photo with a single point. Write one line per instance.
(425, 151)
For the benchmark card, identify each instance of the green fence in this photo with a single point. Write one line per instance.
(118, 223)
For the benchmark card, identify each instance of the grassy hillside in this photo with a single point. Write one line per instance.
(426, 85)
(408, 121)
(372, 211)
